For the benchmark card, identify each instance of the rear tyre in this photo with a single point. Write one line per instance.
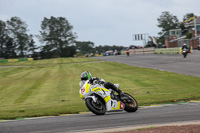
(184, 55)
(97, 107)
(131, 105)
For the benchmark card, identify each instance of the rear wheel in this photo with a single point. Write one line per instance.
(97, 107)
(131, 104)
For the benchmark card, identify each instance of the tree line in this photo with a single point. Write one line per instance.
(56, 34)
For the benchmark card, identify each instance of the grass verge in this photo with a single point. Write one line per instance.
(48, 61)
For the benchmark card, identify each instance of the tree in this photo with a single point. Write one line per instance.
(47, 52)
(9, 51)
(3, 37)
(17, 30)
(105, 48)
(85, 47)
(57, 35)
(68, 51)
(32, 47)
(167, 21)
(99, 49)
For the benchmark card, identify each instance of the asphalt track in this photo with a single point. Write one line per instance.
(172, 63)
(161, 114)
(89, 122)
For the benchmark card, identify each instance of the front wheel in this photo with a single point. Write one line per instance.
(184, 55)
(131, 104)
(97, 107)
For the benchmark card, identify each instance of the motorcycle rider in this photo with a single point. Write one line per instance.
(87, 76)
(184, 47)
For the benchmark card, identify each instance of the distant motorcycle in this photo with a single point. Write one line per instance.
(184, 51)
(127, 53)
(98, 99)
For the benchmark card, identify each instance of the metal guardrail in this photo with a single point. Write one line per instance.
(15, 60)
(149, 50)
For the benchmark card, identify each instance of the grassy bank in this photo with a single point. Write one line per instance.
(38, 90)
(48, 61)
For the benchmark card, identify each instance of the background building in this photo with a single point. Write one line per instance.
(189, 35)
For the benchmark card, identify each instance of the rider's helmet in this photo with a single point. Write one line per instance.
(86, 75)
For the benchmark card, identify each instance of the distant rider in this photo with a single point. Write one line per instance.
(87, 76)
(127, 52)
(185, 48)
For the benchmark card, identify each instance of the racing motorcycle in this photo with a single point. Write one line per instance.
(184, 51)
(100, 100)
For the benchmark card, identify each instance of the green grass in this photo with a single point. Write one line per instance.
(39, 90)
(48, 61)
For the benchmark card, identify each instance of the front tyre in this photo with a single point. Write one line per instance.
(131, 104)
(97, 107)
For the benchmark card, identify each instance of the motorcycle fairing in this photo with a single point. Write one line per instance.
(118, 105)
(111, 104)
(84, 89)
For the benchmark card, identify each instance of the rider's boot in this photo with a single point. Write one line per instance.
(115, 87)
(120, 92)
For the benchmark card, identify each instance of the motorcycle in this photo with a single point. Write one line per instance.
(184, 51)
(127, 53)
(100, 100)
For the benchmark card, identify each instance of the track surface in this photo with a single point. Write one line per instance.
(86, 122)
(171, 63)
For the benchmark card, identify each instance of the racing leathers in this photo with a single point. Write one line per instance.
(107, 85)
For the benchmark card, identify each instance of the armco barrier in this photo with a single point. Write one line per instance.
(15, 60)
(12, 60)
(23, 59)
(30, 59)
(3, 61)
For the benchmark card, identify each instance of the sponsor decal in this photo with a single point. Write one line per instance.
(82, 90)
(122, 105)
